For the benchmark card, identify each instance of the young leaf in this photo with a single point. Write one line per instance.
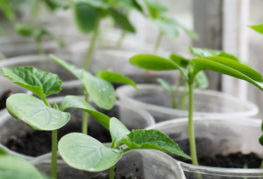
(13, 167)
(35, 113)
(75, 102)
(122, 20)
(257, 28)
(168, 27)
(206, 64)
(86, 17)
(101, 91)
(180, 60)
(155, 9)
(118, 131)
(39, 82)
(202, 52)
(116, 77)
(86, 153)
(153, 139)
(201, 80)
(101, 4)
(153, 62)
(7, 10)
(165, 84)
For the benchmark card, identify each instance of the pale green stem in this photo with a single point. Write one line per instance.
(91, 47)
(40, 48)
(191, 125)
(85, 117)
(54, 154)
(112, 172)
(174, 92)
(120, 41)
(183, 99)
(158, 42)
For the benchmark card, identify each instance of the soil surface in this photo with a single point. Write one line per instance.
(232, 160)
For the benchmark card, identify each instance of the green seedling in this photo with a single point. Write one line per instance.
(167, 25)
(13, 167)
(201, 80)
(190, 69)
(259, 29)
(30, 29)
(83, 152)
(37, 112)
(98, 88)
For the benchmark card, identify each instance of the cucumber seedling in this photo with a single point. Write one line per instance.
(190, 69)
(83, 152)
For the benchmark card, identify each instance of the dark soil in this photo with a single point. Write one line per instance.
(232, 160)
(4, 97)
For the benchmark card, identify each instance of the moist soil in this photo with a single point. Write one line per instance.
(35, 143)
(232, 160)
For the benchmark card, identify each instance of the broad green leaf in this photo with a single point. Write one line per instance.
(153, 62)
(128, 4)
(83, 152)
(39, 82)
(180, 60)
(168, 27)
(229, 56)
(117, 78)
(122, 20)
(53, 4)
(7, 10)
(2, 151)
(165, 84)
(202, 52)
(13, 167)
(257, 28)
(86, 17)
(206, 64)
(101, 91)
(153, 139)
(101, 4)
(75, 102)
(23, 30)
(35, 113)
(201, 80)
(118, 131)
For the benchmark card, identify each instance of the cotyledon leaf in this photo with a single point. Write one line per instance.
(83, 152)
(35, 113)
(118, 131)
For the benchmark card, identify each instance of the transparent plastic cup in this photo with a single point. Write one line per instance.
(11, 128)
(157, 101)
(147, 164)
(217, 136)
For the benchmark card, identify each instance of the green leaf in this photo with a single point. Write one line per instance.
(75, 102)
(153, 139)
(35, 113)
(118, 131)
(202, 52)
(155, 9)
(261, 140)
(101, 4)
(228, 67)
(86, 153)
(23, 30)
(122, 20)
(229, 56)
(180, 60)
(52, 4)
(201, 80)
(117, 78)
(39, 82)
(101, 91)
(86, 17)
(165, 84)
(13, 167)
(168, 27)
(257, 28)
(7, 10)
(153, 62)
(188, 31)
